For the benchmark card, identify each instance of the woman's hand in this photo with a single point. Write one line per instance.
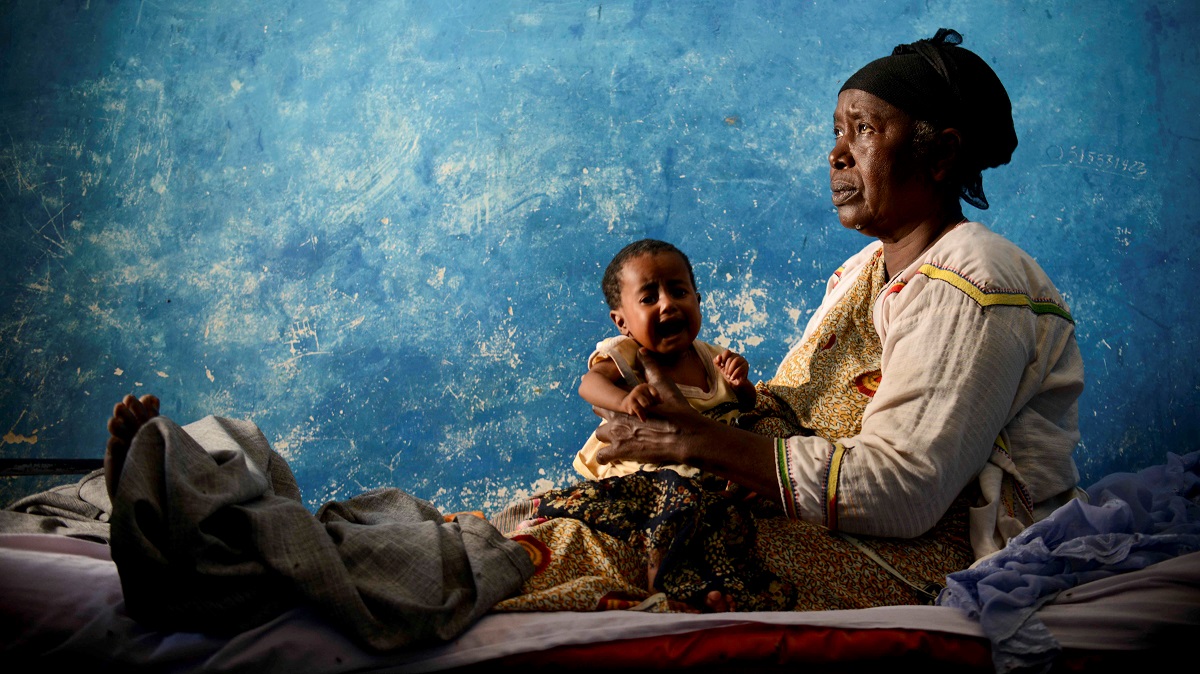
(649, 440)
(678, 434)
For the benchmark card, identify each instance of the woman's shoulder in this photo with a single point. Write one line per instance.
(988, 268)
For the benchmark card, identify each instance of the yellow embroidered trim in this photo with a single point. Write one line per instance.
(831, 485)
(1016, 489)
(786, 498)
(987, 299)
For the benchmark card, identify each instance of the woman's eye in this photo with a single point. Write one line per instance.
(837, 133)
(862, 127)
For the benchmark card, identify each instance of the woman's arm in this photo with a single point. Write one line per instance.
(951, 372)
(678, 434)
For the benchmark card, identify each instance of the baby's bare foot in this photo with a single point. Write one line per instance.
(128, 416)
(719, 602)
(652, 568)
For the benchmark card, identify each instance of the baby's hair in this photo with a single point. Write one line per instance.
(612, 275)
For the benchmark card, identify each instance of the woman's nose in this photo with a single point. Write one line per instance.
(839, 156)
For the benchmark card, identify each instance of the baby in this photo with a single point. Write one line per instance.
(651, 292)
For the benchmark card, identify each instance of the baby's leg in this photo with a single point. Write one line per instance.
(128, 417)
(655, 561)
(714, 602)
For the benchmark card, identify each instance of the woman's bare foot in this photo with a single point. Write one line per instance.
(128, 416)
(719, 602)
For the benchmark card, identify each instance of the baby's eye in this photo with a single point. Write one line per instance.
(679, 293)
(649, 299)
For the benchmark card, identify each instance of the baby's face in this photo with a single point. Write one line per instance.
(660, 308)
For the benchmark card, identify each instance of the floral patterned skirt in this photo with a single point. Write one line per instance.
(661, 542)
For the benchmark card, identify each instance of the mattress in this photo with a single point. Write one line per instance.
(62, 604)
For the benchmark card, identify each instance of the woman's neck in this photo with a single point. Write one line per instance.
(903, 250)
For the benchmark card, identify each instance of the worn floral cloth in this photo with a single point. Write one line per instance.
(698, 532)
(825, 383)
(762, 560)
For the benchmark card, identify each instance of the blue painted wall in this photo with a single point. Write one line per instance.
(377, 228)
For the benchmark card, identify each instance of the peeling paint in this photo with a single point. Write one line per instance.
(11, 438)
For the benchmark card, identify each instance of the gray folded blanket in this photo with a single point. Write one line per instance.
(209, 534)
(78, 510)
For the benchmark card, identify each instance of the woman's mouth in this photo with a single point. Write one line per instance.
(842, 192)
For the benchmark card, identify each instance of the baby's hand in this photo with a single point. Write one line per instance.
(640, 399)
(733, 367)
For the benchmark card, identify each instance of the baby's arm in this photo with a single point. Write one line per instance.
(736, 371)
(600, 388)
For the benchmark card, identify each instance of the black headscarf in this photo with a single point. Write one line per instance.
(937, 81)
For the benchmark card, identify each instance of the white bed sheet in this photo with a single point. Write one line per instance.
(61, 600)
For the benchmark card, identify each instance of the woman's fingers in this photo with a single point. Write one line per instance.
(655, 439)
(627, 438)
(623, 427)
(630, 438)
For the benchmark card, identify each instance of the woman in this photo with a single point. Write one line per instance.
(927, 415)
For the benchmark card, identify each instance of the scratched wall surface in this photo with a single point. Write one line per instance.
(377, 229)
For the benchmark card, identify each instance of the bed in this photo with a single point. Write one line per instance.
(1104, 586)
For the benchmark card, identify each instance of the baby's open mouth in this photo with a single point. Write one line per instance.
(669, 328)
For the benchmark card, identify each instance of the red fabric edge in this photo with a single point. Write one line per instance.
(767, 644)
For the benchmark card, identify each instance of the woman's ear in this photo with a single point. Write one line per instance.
(947, 147)
(618, 319)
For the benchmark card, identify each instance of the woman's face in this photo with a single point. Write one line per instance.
(878, 186)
